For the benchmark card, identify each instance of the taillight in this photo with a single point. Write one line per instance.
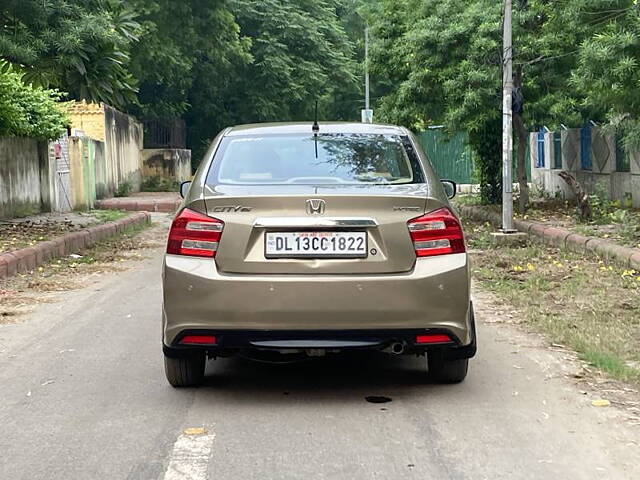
(194, 234)
(436, 233)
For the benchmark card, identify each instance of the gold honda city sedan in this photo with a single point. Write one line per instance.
(303, 239)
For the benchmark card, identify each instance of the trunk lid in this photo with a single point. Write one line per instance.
(381, 211)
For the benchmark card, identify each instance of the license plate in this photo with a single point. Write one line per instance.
(316, 244)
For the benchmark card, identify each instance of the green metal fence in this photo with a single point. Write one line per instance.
(452, 156)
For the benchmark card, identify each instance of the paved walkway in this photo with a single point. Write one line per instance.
(143, 201)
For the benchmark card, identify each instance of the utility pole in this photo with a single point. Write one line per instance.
(366, 68)
(507, 121)
(367, 113)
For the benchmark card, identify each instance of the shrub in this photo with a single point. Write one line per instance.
(157, 183)
(28, 111)
(124, 189)
(487, 144)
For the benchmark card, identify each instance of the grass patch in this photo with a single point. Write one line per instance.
(468, 199)
(104, 216)
(582, 303)
(610, 364)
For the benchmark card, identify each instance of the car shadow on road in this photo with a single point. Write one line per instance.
(338, 377)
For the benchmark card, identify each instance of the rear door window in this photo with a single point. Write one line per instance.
(306, 159)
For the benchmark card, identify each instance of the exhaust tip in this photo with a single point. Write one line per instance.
(397, 348)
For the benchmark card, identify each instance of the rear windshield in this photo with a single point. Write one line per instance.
(325, 159)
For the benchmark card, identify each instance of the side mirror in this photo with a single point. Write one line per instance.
(450, 188)
(184, 188)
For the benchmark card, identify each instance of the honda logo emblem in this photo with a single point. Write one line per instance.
(316, 206)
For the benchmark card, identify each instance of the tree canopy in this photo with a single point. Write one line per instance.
(216, 63)
(212, 63)
(574, 60)
(28, 111)
(608, 70)
(80, 47)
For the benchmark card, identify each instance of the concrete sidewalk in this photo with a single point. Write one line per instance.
(143, 201)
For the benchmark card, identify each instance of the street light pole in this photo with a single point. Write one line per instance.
(507, 121)
(367, 113)
(366, 68)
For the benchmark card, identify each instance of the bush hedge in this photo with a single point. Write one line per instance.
(28, 111)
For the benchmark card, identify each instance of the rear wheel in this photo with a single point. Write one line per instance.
(185, 371)
(447, 371)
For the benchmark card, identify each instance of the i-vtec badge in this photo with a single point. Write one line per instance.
(407, 209)
(232, 208)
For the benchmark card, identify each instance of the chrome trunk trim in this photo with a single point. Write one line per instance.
(314, 222)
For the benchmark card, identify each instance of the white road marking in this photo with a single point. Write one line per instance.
(190, 457)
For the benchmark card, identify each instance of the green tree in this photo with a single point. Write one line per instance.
(187, 63)
(181, 42)
(444, 62)
(241, 61)
(608, 71)
(28, 111)
(78, 46)
(300, 53)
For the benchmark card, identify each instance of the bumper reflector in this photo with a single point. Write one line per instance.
(433, 338)
(198, 340)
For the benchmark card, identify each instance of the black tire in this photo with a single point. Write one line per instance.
(185, 371)
(447, 371)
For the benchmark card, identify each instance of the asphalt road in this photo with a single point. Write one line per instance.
(83, 396)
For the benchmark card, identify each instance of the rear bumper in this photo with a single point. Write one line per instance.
(433, 296)
(230, 341)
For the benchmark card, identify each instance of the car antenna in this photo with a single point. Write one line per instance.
(316, 128)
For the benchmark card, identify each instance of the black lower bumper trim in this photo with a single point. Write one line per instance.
(232, 340)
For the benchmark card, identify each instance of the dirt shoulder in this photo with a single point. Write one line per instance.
(585, 387)
(611, 220)
(579, 303)
(25, 232)
(21, 293)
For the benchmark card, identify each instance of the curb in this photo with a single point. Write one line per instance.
(28, 259)
(560, 237)
(140, 204)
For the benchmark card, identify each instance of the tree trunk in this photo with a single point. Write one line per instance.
(581, 196)
(518, 122)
